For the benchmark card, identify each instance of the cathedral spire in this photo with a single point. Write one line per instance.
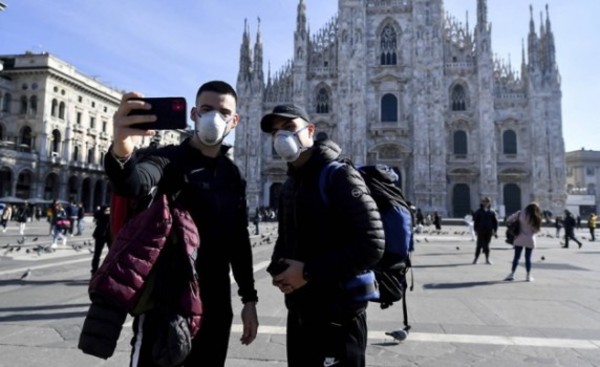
(301, 20)
(482, 13)
(258, 55)
(531, 23)
(245, 54)
(550, 48)
(532, 42)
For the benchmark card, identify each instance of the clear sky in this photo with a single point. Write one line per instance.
(165, 48)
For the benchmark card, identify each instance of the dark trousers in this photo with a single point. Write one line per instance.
(209, 346)
(316, 342)
(483, 244)
(518, 251)
(592, 235)
(98, 247)
(571, 235)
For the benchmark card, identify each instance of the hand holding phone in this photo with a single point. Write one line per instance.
(170, 113)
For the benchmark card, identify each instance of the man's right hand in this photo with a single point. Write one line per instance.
(124, 125)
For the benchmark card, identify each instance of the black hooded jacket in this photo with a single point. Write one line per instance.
(335, 241)
(216, 198)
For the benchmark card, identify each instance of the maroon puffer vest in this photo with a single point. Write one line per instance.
(125, 270)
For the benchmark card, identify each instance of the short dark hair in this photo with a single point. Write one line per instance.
(217, 86)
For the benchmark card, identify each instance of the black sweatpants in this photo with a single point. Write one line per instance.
(316, 342)
(483, 244)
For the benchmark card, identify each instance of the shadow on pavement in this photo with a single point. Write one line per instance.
(461, 285)
(69, 282)
(441, 265)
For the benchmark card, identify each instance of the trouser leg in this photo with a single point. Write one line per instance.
(528, 252)
(518, 251)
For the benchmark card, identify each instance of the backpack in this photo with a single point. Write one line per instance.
(396, 215)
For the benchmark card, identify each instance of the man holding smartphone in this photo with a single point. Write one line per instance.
(214, 192)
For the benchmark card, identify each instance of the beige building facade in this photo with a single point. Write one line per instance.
(583, 181)
(55, 129)
(402, 83)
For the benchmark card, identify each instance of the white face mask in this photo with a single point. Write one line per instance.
(287, 144)
(211, 127)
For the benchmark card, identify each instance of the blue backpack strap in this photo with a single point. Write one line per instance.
(325, 177)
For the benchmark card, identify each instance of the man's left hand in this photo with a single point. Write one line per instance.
(250, 321)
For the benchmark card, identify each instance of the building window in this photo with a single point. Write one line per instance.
(25, 137)
(388, 46)
(458, 98)
(92, 122)
(322, 101)
(104, 123)
(460, 142)
(389, 108)
(33, 105)
(6, 102)
(91, 153)
(509, 142)
(78, 118)
(589, 171)
(23, 109)
(75, 153)
(61, 110)
(56, 141)
(54, 107)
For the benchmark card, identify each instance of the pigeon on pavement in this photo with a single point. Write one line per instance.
(399, 335)
(26, 274)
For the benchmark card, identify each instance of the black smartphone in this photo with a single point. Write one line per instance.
(171, 113)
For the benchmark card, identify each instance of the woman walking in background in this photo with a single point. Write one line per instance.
(530, 222)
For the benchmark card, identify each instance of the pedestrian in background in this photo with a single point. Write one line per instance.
(469, 222)
(101, 234)
(486, 226)
(570, 225)
(592, 226)
(22, 218)
(59, 224)
(6, 215)
(558, 225)
(530, 223)
(80, 215)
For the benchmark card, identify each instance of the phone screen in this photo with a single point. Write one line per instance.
(171, 113)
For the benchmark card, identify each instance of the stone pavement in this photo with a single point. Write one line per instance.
(461, 314)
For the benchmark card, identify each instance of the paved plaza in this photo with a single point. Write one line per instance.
(461, 314)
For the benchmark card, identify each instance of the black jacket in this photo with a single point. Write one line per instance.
(215, 192)
(335, 241)
(485, 221)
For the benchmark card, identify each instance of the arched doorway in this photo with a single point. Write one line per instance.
(24, 185)
(5, 182)
(98, 194)
(512, 198)
(461, 200)
(73, 192)
(274, 194)
(86, 194)
(51, 187)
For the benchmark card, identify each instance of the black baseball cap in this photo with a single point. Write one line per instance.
(290, 111)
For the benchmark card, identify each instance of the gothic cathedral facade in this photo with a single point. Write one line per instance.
(400, 82)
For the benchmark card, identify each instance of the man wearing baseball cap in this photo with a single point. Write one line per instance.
(321, 245)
